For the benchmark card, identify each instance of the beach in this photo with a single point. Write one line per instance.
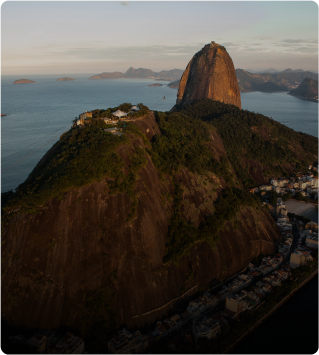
(299, 207)
(303, 209)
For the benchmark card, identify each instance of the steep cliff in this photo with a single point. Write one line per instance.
(112, 230)
(209, 74)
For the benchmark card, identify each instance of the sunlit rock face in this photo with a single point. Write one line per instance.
(209, 74)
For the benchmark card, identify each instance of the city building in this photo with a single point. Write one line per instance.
(204, 327)
(69, 344)
(297, 259)
(38, 342)
(126, 342)
(235, 304)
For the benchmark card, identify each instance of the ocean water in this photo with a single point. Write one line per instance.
(300, 115)
(37, 114)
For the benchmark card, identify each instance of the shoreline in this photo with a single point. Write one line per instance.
(301, 208)
(303, 98)
(269, 314)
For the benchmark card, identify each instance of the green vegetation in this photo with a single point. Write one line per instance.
(273, 197)
(127, 183)
(81, 157)
(251, 136)
(184, 142)
(287, 196)
(300, 197)
(302, 219)
(131, 128)
(183, 234)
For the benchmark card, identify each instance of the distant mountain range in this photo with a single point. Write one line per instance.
(141, 73)
(273, 70)
(307, 90)
(270, 80)
(282, 81)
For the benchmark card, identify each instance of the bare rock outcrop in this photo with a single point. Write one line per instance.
(209, 74)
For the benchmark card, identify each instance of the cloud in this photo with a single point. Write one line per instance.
(299, 41)
(98, 51)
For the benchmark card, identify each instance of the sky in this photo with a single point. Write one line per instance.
(64, 37)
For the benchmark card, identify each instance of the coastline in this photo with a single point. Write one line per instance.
(269, 314)
(303, 98)
(299, 207)
(307, 209)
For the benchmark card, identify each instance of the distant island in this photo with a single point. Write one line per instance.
(3, 114)
(282, 81)
(141, 73)
(156, 85)
(24, 81)
(307, 90)
(66, 78)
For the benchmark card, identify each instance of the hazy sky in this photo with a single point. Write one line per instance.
(92, 37)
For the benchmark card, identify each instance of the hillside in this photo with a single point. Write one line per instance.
(307, 90)
(285, 80)
(110, 230)
(142, 73)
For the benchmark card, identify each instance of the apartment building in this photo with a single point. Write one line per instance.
(235, 304)
(205, 327)
(312, 242)
(297, 259)
(126, 342)
(69, 345)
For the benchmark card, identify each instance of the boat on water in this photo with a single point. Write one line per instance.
(164, 98)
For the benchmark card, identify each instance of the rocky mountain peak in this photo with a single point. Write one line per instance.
(209, 74)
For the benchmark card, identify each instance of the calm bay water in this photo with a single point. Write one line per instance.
(39, 113)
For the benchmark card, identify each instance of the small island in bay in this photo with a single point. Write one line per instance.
(66, 78)
(307, 90)
(156, 85)
(24, 81)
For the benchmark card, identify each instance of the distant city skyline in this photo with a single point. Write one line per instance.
(93, 37)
